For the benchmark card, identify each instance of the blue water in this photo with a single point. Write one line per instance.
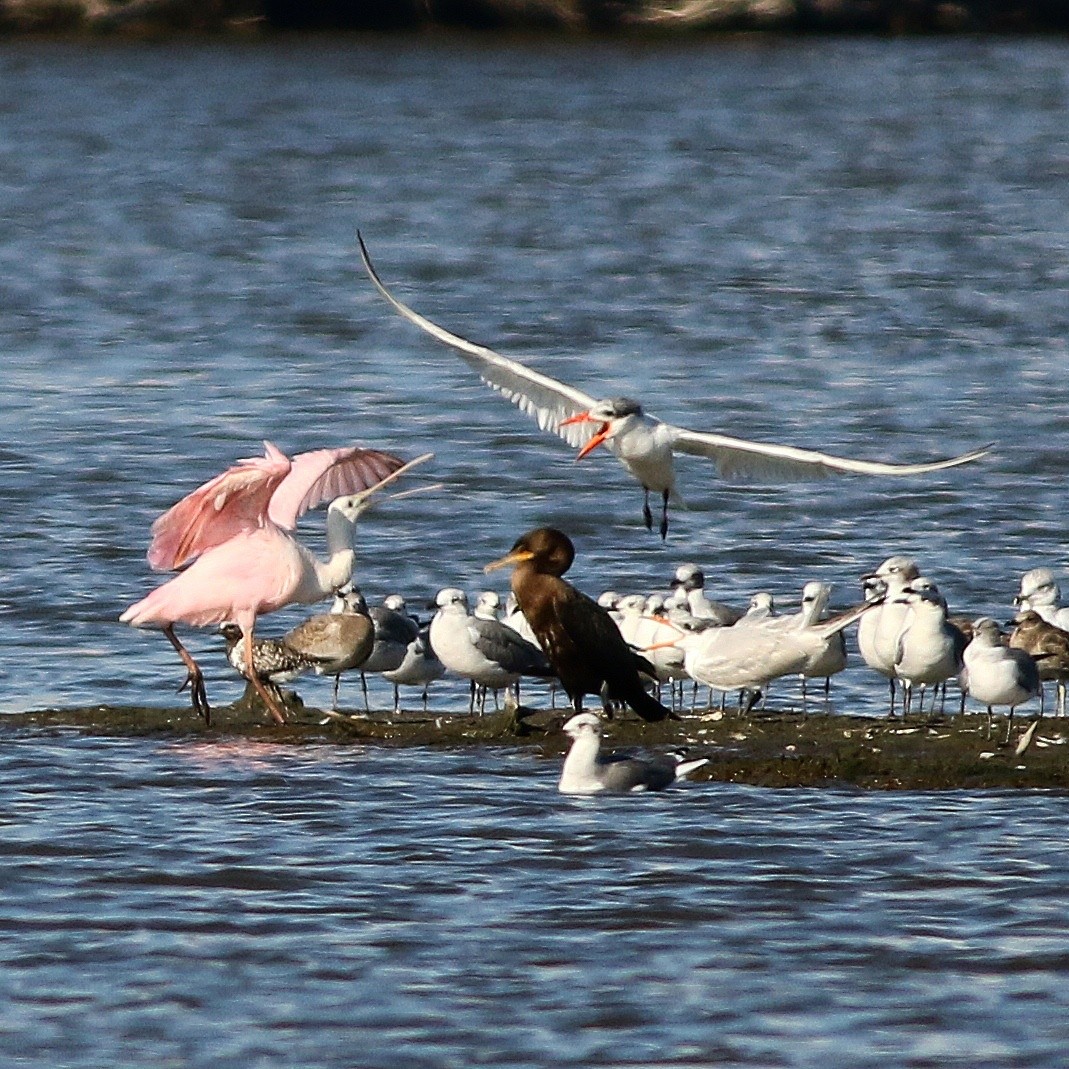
(854, 246)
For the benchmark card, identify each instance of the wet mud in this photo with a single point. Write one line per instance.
(765, 749)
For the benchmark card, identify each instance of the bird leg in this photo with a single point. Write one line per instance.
(647, 515)
(334, 698)
(266, 696)
(194, 678)
(664, 515)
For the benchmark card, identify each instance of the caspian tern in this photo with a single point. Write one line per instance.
(644, 445)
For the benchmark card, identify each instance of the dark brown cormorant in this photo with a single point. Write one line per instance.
(577, 635)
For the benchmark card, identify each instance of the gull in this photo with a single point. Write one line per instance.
(878, 631)
(995, 674)
(1039, 592)
(644, 445)
(929, 648)
(487, 605)
(689, 581)
(338, 640)
(489, 653)
(587, 770)
(420, 667)
(395, 629)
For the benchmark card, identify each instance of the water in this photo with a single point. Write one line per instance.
(855, 246)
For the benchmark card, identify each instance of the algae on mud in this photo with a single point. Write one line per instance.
(764, 749)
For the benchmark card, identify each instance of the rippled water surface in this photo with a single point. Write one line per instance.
(853, 246)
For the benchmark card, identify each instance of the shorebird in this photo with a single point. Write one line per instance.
(580, 638)
(339, 640)
(587, 770)
(489, 653)
(1039, 592)
(233, 537)
(273, 660)
(994, 674)
(929, 648)
(645, 446)
(1049, 646)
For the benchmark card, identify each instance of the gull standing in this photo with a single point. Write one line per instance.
(878, 631)
(419, 668)
(930, 647)
(644, 445)
(587, 770)
(339, 640)
(1049, 646)
(489, 653)
(995, 674)
(689, 581)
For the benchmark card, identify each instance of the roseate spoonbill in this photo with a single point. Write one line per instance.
(233, 537)
(644, 445)
(581, 639)
(587, 770)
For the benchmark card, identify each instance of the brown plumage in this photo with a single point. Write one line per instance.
(578, 636)
(338, 640)
(1048, 645)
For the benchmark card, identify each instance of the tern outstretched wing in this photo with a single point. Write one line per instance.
(543, 398)
(737, 458)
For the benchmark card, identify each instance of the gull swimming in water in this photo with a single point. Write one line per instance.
(644, 445)
(587, 770)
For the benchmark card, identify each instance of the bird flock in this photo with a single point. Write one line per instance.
(233, 547)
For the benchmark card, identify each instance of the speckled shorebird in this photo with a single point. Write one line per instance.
(491, 654)
(587, 770)
(274, 660)
(1048, 645)
(994, 674)
(339, 640)
(581, 640)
